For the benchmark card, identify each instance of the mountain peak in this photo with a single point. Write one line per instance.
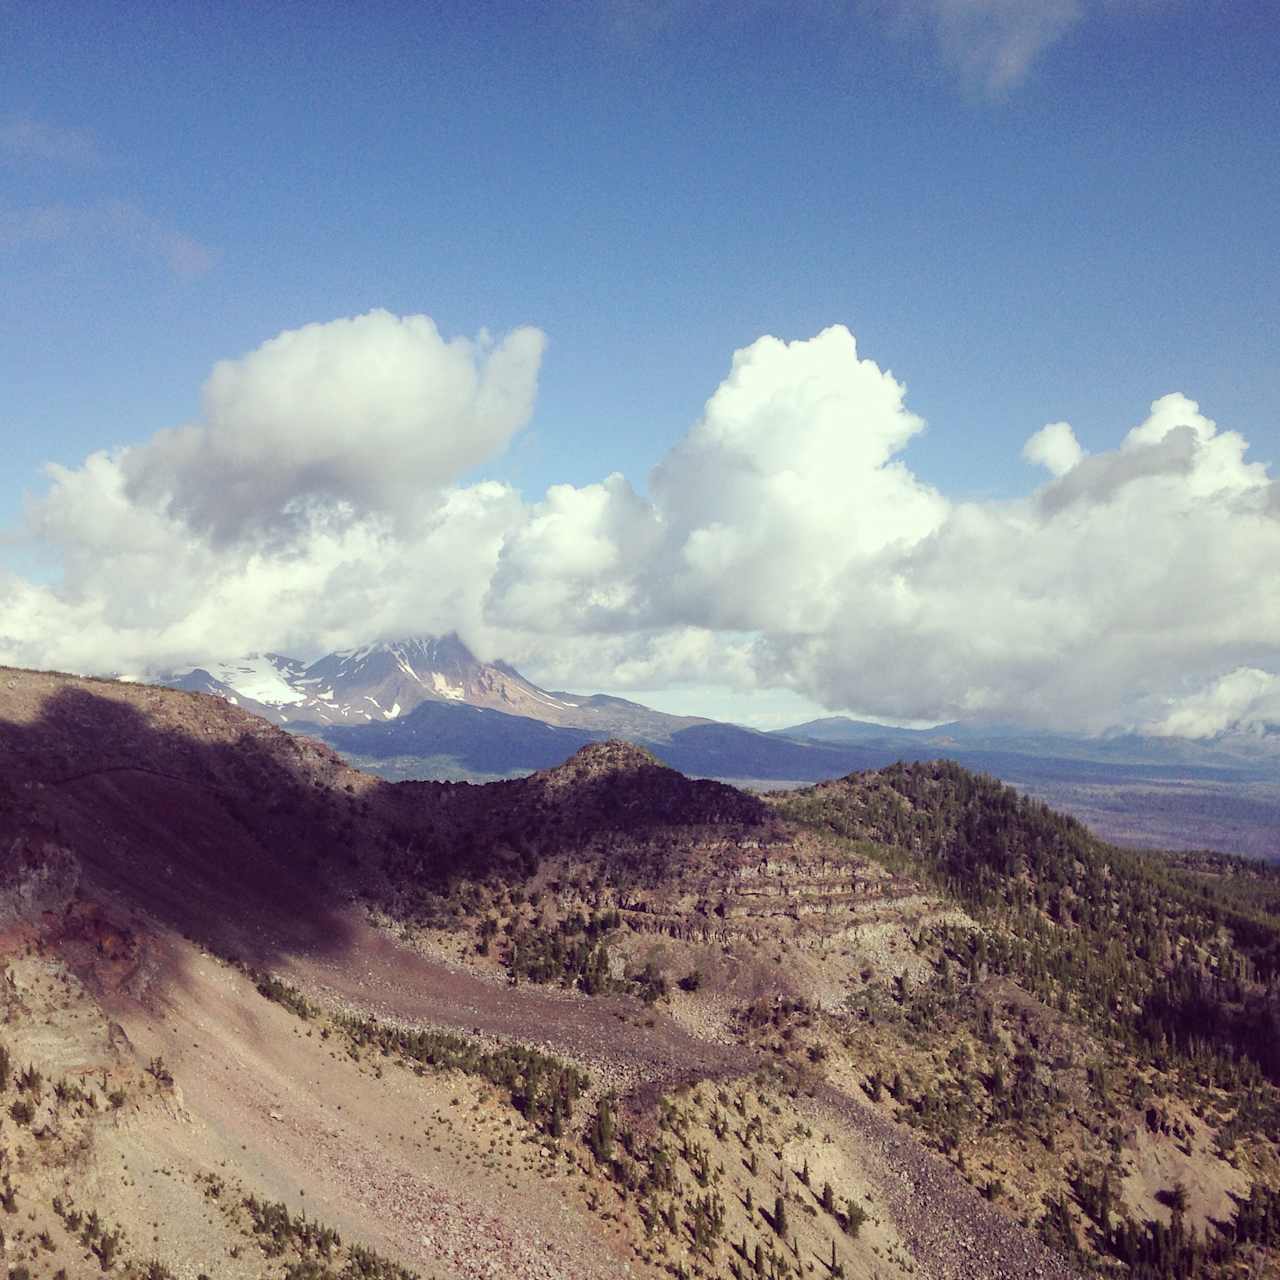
(449, 645)
(387, 679)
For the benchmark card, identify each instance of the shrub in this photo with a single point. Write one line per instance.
(159, 1072)
(854, 1216)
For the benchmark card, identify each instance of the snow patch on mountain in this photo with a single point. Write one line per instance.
(261, 677)
(446, 690)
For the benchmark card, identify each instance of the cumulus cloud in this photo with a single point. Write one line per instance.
(161, 597)
(378, 412)
(787, 526)
(1054, 447)
(316, 503)
(798, 441)
(1135, 573)
(784, 543)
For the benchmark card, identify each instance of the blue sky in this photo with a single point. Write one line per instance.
(1029, 213)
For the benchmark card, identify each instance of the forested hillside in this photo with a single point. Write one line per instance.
(1172, 964)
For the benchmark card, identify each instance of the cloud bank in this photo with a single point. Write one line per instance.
(322, 501)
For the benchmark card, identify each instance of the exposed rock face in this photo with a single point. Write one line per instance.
(784, 890)
(36, 877)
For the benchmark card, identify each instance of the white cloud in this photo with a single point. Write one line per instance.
(159, 596)
(787, 515)
(1246, 699)
(378, 412)
(996, 42)
(1138, 572)
(315, 505)
(801, 439)
(785, 544)
(1054, 447)
(798, 444)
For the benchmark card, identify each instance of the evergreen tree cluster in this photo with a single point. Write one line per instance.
(574, 952)
(1150, 951)
(542, 1088)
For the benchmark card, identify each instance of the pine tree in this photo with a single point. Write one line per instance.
(601, 1136)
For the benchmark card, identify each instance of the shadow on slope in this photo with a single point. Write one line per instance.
(223, 827)
(254, 841)
(611, 800)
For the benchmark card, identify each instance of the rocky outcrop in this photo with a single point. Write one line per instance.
(753, 891)
(37, 877)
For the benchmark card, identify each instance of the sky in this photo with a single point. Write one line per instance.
(914, 359)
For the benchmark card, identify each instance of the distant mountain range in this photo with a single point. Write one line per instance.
(1230, 752)
(384, 682)
(427, 708)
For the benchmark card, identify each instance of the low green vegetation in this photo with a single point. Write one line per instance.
(573, 953)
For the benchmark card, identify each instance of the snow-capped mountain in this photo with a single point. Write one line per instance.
(384, 681)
